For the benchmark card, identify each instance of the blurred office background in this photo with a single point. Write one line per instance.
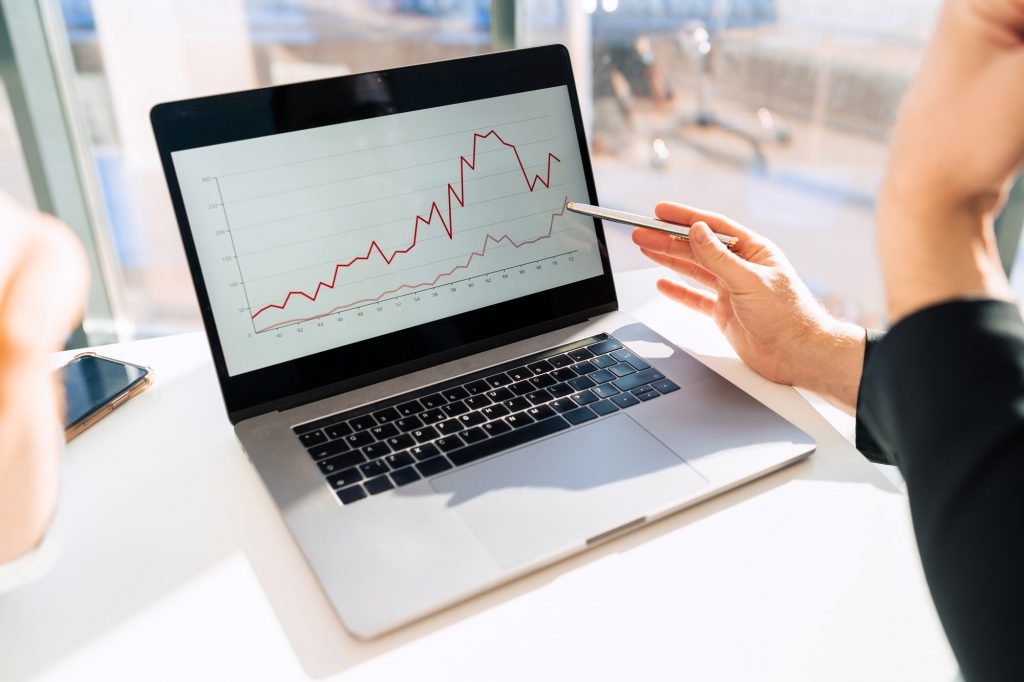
(775, 112)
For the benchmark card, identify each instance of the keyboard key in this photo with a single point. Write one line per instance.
(433, 415)
(498, 380)
(563, 374)
(606, 346)
(604, 407)
(335, 447)
(475, 402)
(375, 450)
(646, 376)
(605, 391)
(401, 442)
(562, 405)
(560, 361)
(543, 381)
(384, 431)
(649, 395)
(338, 430)
(477, 387)
(425, 451)
(621, 370)
(359, 439)
(626, 355)
(433, 400)
(425, 434)
(584, 368)
(580, 415)
(341, 462)
(540, 366)
(624, 400)
(350, 495)
(378, 485)
(561, 390)
(345, 478)
(580, 354)
(471, 419)
(494, 411)
(665, 386)
(601, 376)
(520, 373)
(496, 427)
(448, 427)
(433, 466)
(604, 361)
(375, 467)
(521, 387)
(363, 422)
(540, 412)
(640, 390)
(518, 420)
(405, 476)
(448, 443)
(474, 435)
(516, 404)
(528, 433)
(313, 438)
(584, 397)
(539, 397)
(456, 393)
(499, 394)
(388, 414)
(409, 423)
(580, 383)
(455, 409)
(399, 460)
(410, 408)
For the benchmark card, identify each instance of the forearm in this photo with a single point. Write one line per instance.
(832, 363)
(29, 451)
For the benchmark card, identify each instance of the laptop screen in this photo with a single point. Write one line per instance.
(348, 230)
(325, 237)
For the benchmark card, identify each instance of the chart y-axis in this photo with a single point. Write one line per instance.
(234, 251)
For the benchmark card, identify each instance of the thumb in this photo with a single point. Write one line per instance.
(711, 253)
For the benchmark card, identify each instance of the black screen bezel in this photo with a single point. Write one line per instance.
(237, 116)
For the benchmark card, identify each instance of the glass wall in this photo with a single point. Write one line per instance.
(775, 112)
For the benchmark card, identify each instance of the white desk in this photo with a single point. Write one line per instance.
(175, 565)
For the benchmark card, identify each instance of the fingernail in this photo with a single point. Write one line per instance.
(699, 232)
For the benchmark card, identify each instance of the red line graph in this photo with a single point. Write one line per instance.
(489, 239)
(435, 210)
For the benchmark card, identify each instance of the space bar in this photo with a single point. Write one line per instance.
(508, 440)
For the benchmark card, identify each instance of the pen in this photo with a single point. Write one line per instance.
(679, 231)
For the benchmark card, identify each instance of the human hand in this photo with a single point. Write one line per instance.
(43, 279)
(957, 145)
(759, 302)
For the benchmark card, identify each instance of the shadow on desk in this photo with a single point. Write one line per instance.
(169, 499)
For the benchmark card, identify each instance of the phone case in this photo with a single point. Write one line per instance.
(115, 402)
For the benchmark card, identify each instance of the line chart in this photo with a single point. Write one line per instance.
(435, 210)
(488, 239)
(317, 238)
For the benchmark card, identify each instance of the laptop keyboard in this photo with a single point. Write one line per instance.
(394, 442)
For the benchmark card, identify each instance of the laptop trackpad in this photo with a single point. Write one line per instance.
(557, 493)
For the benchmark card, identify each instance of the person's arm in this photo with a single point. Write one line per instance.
(943, 393)
(42, 288)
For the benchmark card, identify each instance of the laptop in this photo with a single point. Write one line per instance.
(420, 348)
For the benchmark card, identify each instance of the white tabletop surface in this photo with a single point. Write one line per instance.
(174, 564)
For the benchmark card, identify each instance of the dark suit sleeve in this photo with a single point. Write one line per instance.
(942, 396)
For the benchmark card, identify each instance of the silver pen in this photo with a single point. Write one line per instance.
(678, 231)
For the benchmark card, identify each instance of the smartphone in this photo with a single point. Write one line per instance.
(95, 386)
